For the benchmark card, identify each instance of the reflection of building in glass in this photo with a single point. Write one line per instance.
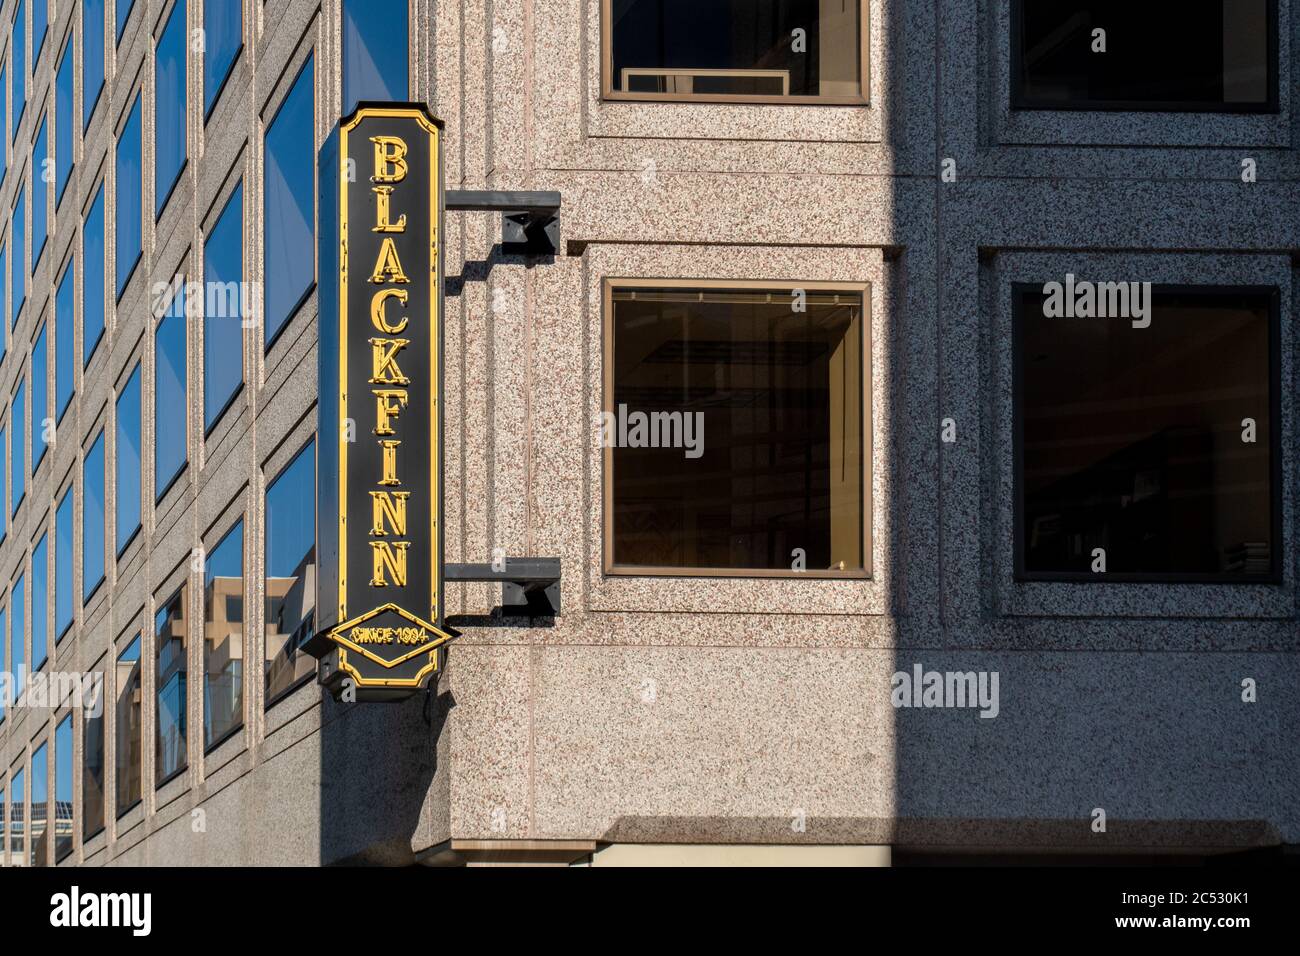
(290, 603)
(223, 679)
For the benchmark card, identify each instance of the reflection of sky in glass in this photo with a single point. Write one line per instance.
(40, 403)
(127, 452)
(169, 395)
(123, 11)
(92, 518)
(4, 85)
(223, 339)
(222, 24)
(18, 274)
(19, 46)
(374, 51)
(63, 566)
(291, 515)
(63, 124)
(16, 628)
(4, 664)
(64, 315)
(92, 56)
(128, 205)
(169, 107)
(40, 189)
(17, 450)
(40, 606)
(40, 23)
(169, 642)
(92, 297)
(288, 204)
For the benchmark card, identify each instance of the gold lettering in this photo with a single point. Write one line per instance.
(383, 353)
(385, 410)
(390, 507)
(388, 268)
(382, 224)
(390, 461)
(390, 161)
(390, 558)
(379, 318)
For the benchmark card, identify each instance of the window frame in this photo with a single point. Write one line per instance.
(1279, 545)
(270, 700)
(860, 288)
(607, 91)
(178, 591)
(1020, 102)
(240, 524)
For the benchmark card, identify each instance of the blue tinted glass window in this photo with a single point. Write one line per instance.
(4, 275)
(223, 339)
(4, 465)
(17, 264)
(40, 397)
(290, 569)
(4, 120)
(40, 23)
(374, 51)
(18, 450)
(63, 566)
(19, 45)
(92, 518)
(169, 107)
(64, 346)
(169, 397)
(41, 175)
(40, 605)
(223, 23)
(92, 57)
(223, 638)
(127, 209)
(123, 12)
(63, 788)
(92, 296)
(18, 633)
(288, 207)
(40, 807)
(170, 640)
(63, 124)
(4, 666)
(126, 452)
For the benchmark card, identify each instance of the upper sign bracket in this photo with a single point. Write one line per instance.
(530, 220)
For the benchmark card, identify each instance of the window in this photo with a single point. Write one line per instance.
(290, 573)
(223, 24)
(40, 189)
(1133, 447)
(4, 122)
(223, 309)
(289, 205)
(126, 452)
(4, 812)
(169, 108)
(735, 429)
(63, 789)
(170, 406)
(40, 605)
(63, 601)
(171, 638)
(92, 296)
(223, 639)
(1208, 55)
(17, 827)
(92, 519)
(18, 450)
(768, 51)
(17, 635)
(40, 398)
(92, 57)
(18, 261)
(123, 8)
(40, 23)
(64, 315)
(40, 808)
(63, 125)
(374, 51)
(128, 209)
(19, 45)
(130, 728)
(92, 776)
(4, 457)
(4, 666)
(3, 274)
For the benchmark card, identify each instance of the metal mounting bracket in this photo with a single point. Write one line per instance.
(530, 220)
(529, 586)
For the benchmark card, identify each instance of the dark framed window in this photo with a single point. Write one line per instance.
(18, 634)
(223, 26)
(18, 261)
(92, 773)
(130, 728)
(40, 397)
(223, 310)
(40, 604)
(374, 52)
(735, 429)
(1215, 56)
(39, 826)
(1152, 450)
(170, 406)
(17, 814)
(92, 518)
(63, 125)
(171, 636)
(62, 817)
(747, 51)
(18, 448)
(64, 346)
(126, 454)
(223, 638)
(169, 108)
(128, 208)
(289, 204)
(18, 43)
(92, 57)
(290, 573)
(64, 602)
(92, 293)
(42, 174)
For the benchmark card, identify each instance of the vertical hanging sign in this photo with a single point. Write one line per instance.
(379, 420)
